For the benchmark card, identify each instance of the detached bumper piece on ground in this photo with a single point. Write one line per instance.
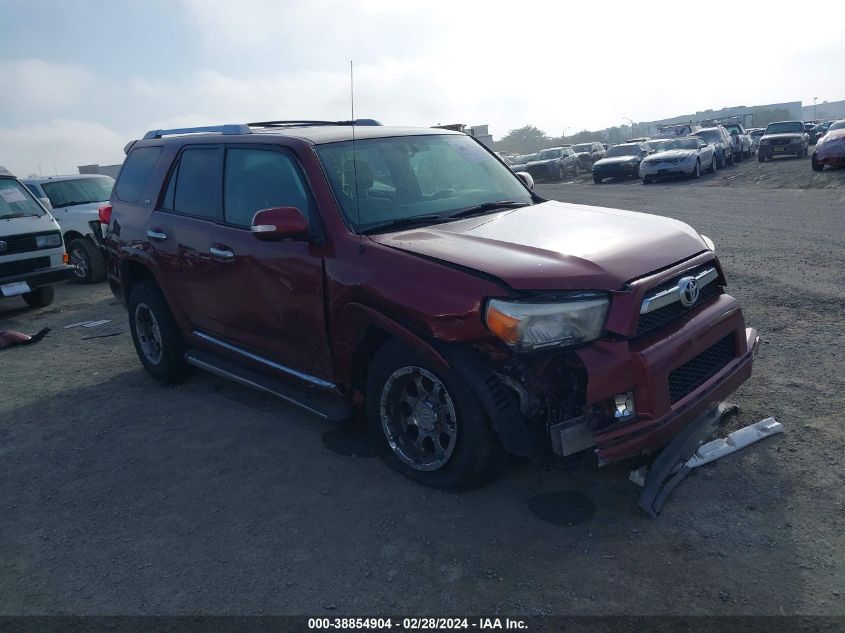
(687, 451)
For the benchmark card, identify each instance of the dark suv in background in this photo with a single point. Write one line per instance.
(784, 138)
(408, 272)
(588, 153)
(553, 164)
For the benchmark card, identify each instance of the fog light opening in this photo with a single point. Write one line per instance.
(624, 406)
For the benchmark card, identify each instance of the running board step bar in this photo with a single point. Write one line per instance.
(313, 400)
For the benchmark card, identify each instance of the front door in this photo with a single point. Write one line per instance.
(272, 292)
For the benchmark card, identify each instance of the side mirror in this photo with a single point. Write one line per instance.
(46, 203)
(279, 223)
(526, 179)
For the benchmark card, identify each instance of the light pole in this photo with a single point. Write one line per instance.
(632, 126)
(814, 107)
(564, 133)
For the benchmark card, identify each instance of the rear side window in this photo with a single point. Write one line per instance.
(135, 173)
(195, 183)
(257, 179)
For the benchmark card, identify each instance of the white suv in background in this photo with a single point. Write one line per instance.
(75, 201)
(32, 256)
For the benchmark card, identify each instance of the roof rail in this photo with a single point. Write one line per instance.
(308, 123)
(213, 129)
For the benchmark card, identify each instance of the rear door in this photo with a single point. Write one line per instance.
(181, 232)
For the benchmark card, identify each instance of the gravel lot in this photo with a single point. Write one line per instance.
(118, 496)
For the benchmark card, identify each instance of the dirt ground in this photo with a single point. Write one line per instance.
(119, 496)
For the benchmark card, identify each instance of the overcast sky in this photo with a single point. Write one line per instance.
(83, 77)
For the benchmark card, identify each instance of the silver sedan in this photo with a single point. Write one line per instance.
(688, 156)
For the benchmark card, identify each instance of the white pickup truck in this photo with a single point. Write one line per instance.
(75, 201)
(32, 255)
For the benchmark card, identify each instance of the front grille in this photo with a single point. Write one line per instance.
(692, 374)
(23, 243)
(21, 266)
(660, 317)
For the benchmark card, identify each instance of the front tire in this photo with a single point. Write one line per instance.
(427, 421)
(88, 259)
(157, 339)
(817, 166)
(597, 180)
(561, 173)
(713, 164)
(761, 157)
(40, 297)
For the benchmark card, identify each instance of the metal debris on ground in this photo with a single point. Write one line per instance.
(87, 323)
(88, 338)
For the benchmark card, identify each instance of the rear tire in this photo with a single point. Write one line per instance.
(561, 173)
(428, 422)
(713, 164)
(89, 260)
(156, 336)
(39, 297)
(696, 173)
(597, 180)
(761, 158)
(647, 181)
(721, 161)
(730, 160)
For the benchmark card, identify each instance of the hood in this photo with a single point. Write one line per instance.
(671, 153)
(555, 245)
(89, 208)
(617, 160)
(785, 135)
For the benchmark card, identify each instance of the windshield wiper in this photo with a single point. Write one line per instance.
(14, 216)
(486, 207)
(73, 203)
(404, 223)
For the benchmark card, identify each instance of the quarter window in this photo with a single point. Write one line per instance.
(257, 179)
(135, 173)
(195, 182)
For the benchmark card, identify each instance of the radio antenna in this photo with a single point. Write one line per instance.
(354, 160)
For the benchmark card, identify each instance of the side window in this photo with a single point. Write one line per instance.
(257, 179)
(35, 191)
(135, 173)
(195, 183)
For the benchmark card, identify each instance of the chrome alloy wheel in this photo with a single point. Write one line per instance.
(418, 418)
(77, 258)
(149, 335)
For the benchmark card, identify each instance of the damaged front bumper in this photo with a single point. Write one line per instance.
(674, 378)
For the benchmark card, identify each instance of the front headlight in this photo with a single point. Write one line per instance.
(709, 243)
(764, 141)
(531, 326)
(48, 241)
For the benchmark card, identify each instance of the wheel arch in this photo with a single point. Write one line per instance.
(71, 235)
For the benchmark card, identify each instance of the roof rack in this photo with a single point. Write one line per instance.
(213, 129)
(307, 123)
(245, 128)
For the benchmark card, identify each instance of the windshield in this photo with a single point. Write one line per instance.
(583, 147)
(547, 154)
(623, 150)
(524, 158)
(405, 177)
(66, 193)
(711, 136)
(785, 127)
(659, 146)
(16, 201)
(686, 143)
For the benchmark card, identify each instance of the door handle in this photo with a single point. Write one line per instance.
(157, 235)
(222, 253)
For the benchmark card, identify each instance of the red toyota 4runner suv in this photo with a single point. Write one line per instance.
(409, 272)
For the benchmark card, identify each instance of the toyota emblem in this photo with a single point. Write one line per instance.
(689, 290)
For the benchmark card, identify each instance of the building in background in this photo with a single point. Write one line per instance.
(824, 111)
(103, 170)
(481, 132)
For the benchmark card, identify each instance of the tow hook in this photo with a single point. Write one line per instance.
(688, 451)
